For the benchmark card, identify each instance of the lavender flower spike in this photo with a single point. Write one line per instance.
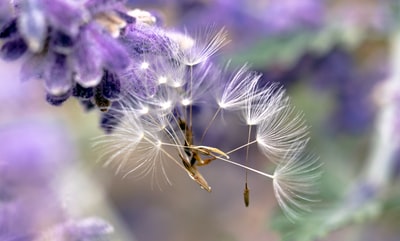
(28, 167)
(155, 123)
(68, 43)
(32, 24)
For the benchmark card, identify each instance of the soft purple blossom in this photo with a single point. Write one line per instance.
(145, 39)
(32, 157)
(67, 43)
(5, 12)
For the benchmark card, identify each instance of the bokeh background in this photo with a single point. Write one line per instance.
(339, 61)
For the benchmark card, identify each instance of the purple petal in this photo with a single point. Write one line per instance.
(58, 78)
(33, 68)
(141, 40)
(13, 49)
(32, 24)
(5, 11)
(57, 100)
(86, 61)
(66, 16)
(97, 6)
(114, 55)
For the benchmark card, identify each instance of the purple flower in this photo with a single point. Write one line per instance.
(68, 43)
(32, 157)
(13, 49)
(28, 166)
(145, 39)
(5, 13)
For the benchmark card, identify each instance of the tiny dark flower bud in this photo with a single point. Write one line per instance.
(13, 49)
(62, 42)
(81, 92)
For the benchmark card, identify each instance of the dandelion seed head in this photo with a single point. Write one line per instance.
(172, 73)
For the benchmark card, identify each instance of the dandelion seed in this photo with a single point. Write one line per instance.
(235, 92)
(205, 45)
(262, 104)
(294, 182)
(136, 147)
(166, 105)
(246, 195)
(277, 135)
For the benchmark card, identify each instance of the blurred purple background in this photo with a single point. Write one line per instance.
(333, 56)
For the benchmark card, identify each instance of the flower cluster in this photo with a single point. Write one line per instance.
(73, 46)
(157, 120)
